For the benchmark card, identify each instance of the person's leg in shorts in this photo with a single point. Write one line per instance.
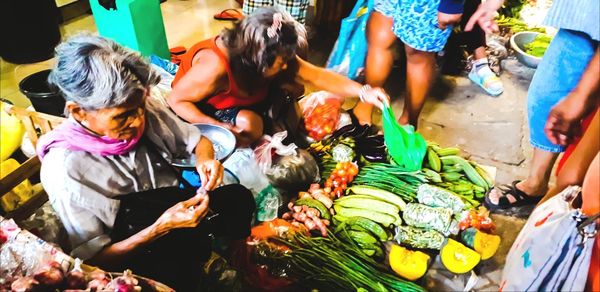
(416, 24)
(246, 123)
(557, 75)
(380, 56)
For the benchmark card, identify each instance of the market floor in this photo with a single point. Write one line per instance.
(492, 130)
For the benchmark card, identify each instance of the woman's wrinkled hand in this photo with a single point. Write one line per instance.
(374, 96)
(211, 173)
(186, 214)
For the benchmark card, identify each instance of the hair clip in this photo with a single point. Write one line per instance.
(275, 26)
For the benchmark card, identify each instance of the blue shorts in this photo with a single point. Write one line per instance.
(557, 75)
(416, 23)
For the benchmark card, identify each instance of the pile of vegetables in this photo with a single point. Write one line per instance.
(515, 25)
(539, 45)
(312, 210)
(365, 217)
(51, 277)
(391, 178)
(465, 178)
(340, 177)
(329, 264)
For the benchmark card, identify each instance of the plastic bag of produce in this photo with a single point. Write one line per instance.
(419, 238)
(286, 167)
(321, 111)
(437, 197)
(243, 164)
(419, 215)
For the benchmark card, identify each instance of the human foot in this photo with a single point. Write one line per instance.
(482, 75)
(506, 196)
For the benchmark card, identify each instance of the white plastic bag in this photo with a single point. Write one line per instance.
(286, 166)
(243, 164)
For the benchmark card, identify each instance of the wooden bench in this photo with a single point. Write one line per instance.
(36, 124)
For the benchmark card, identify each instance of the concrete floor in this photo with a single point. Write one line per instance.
(491, 130)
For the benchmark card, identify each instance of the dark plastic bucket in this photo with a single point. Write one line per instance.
(43, 97)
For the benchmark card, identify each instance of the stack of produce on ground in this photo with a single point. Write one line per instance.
(340, 177)
(446, 169)
(366, 217)
(392, 178)
(51, 277)
(312, 209)
(329, 264)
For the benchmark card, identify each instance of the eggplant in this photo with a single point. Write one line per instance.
(375, 157)
(361, 131)
(343, 131)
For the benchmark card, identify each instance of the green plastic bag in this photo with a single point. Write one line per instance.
(406, 146)
(136, 24)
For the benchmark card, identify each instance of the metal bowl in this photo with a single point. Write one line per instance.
(223, 141)
(518, 42)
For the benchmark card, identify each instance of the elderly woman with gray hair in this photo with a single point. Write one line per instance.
(107, 173)
(225, 80)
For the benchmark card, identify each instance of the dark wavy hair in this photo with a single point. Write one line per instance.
(252, 51)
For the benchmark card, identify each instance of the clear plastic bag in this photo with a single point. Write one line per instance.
(286, 166)
(243, 164)
(321, 111)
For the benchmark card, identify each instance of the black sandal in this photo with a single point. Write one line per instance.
(521, 198)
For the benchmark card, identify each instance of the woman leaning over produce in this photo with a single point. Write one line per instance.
(107, 174)
(225, 80)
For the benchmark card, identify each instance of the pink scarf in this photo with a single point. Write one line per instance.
(72, 136)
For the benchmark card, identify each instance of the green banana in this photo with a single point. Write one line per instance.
(434, 160)
(448, 151)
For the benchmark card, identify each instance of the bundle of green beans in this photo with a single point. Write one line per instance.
(328, 264)
(391, 178)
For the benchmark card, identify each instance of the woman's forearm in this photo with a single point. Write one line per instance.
(204, 150)
(115, 253)
(190, 112)
(322, 79)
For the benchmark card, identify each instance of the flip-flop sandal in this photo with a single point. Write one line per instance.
(229, 14)
(176, 54)
(486, 82)
(521, 198)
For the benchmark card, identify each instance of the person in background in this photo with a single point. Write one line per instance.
(106, 168)
(568, 77)
(423, 26)
(225, 80)
(296, 8)
(475, 42)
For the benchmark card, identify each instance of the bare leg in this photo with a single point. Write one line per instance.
(420, 67)
(536, 183)
(380, 59)
(575, 168)
(480, 53)
(251, 125)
